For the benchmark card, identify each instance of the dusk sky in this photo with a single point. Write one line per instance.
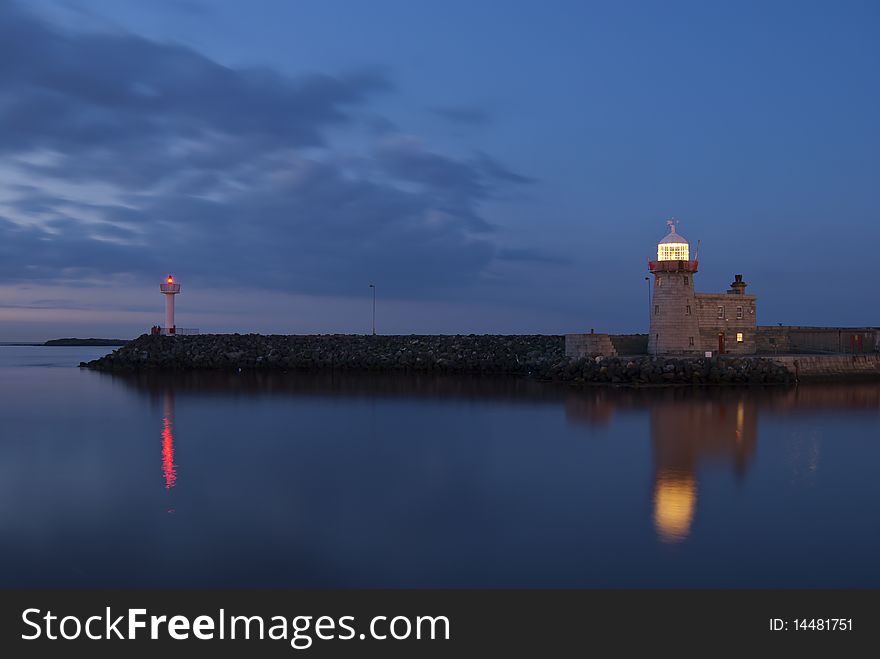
(490, 166)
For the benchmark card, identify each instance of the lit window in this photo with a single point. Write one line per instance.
(656, 309)
(739, 312)
(721, 312)
(739, 337)
(687, 310)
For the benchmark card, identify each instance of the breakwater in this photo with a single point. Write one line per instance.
(538, 356)
(85, 342)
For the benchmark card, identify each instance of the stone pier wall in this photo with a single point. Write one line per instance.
(831, 367)
(819, 340)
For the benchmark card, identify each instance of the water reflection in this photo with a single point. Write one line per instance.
(363, 481)
(690, 428)
(687, 429)
(169, 469)
(675, 499)
(683, 436)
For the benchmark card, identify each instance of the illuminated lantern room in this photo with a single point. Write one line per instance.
(674, 246)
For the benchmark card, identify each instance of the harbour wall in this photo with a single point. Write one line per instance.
(795, 339)
(831, 367)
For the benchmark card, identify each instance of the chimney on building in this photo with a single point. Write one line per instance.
(738, 287)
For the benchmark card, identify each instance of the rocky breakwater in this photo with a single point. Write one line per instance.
(646, 371)
(490, 354)
(540, 357)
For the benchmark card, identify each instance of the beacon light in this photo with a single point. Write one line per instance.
(673, 247)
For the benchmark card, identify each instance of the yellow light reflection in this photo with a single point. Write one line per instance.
(740, 421)
(675, 500)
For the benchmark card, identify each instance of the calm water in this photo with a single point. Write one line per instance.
(256, 480)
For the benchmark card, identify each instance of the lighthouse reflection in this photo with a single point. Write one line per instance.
(169, 469)
(686, 432)
(722, 430)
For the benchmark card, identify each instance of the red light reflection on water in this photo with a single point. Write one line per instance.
(169, 469)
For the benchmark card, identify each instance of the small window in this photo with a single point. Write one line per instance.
(656, 337)
(687, 310)
(739, 312)
(656, 309)
(659, 281)
(685, 280)
(739, 337)
(772, 341)
(691, 341)
(721, 312)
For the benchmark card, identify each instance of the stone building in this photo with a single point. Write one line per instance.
(684, 322)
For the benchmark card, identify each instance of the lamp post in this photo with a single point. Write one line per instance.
(373, 286)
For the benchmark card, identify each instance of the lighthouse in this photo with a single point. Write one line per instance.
(169, 289)
(687, 323)
(675, 327)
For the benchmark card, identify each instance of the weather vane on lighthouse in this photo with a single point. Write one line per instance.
(169, 289)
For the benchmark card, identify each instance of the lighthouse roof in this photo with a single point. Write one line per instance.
(673, 246)
(673, 236)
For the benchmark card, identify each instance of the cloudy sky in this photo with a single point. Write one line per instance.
(490, 166)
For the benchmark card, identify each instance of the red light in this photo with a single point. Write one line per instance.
(170, 279)
(169, 469)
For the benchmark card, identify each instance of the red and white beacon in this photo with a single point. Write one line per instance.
(169, 289)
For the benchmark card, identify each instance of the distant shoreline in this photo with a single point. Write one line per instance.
(82, 342)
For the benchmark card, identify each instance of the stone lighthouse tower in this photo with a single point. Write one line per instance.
(675, 325)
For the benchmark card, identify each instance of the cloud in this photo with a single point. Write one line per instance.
(105, 95)
(189, 6)
(530, 255)
(128, 157)
(463, 115)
